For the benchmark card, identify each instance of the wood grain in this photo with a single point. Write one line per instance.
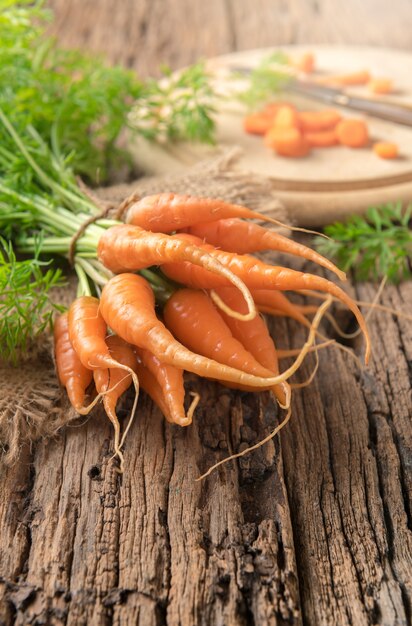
(146, 33)
(315, 528)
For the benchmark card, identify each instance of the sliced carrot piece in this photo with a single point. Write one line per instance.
(380, 85)
(386, 150)
(286, 117)
(257, 123)
(352, 133)
(321, 138)
(347, 80)
(305, 63)
(287, 142)
(319, 120)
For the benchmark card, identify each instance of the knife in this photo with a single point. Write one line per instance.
(390, 111)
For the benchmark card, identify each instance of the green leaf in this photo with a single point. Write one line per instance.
(376, 245)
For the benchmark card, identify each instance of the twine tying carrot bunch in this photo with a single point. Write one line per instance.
(210, 324)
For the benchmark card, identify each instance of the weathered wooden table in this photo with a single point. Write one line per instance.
(315, 527)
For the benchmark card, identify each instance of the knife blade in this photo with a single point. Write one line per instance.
(390, 111)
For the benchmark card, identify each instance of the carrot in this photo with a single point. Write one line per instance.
(125, 247)
(127, 305)
(235, 235)
(305, 63)
(258, 275)
(386, 150)
(170, 381)
(87, 332)
(361, 77)
(113, 382)
(276, 303)
(150, 385)
(321, 138)
(167, 212)
(73, 375)
(286, 117)
(288, 142)
(313, 121)
(255, 338)
(380, 85)
(352, 133)
(257, 123)
(187, 310)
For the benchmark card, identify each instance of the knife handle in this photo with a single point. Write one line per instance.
(385, 110)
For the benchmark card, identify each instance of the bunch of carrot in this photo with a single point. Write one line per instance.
(209, 324)
(293, 133)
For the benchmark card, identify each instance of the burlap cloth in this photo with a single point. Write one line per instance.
(32, 405)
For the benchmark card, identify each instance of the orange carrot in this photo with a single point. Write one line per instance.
(235, 235)
(170, 380)
(286, 117)
(167, 212)
(258, 275)
(288, 142)
(276, 303)
(319, 120)
(304, 63)
(352, 133)
(125, 247)
(255, 338)
(73, 375)
(150, 385)
(321, 138)
(111, 383)
(386, 150)
(87, 332)
(127, 305)
(361, 77)
(380, 85)
(189, 310)
(257, 123)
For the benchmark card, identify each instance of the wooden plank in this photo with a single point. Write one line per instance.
(314, 528)
(147, 33)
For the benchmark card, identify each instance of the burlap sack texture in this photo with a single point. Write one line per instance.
(32, 405)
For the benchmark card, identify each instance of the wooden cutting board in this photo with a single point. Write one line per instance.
(330, 183)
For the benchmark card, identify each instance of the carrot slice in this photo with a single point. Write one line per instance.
(305, 63)
(321, 138)
(347, 80)
(287, 142)
(257, 123)
(286, 117)
(352, 133)
(386, 150)
(380, 85)
(319, 120)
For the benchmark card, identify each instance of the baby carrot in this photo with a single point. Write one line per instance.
(125, 247)
(258, 275)
(386, 150)
(276, 303)
(255, 338)
(73, 375)
(235, 235)
(111, 383)
(167, 212)
(170, 380)
(319, 120)
(127, 305)
(352, 133)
